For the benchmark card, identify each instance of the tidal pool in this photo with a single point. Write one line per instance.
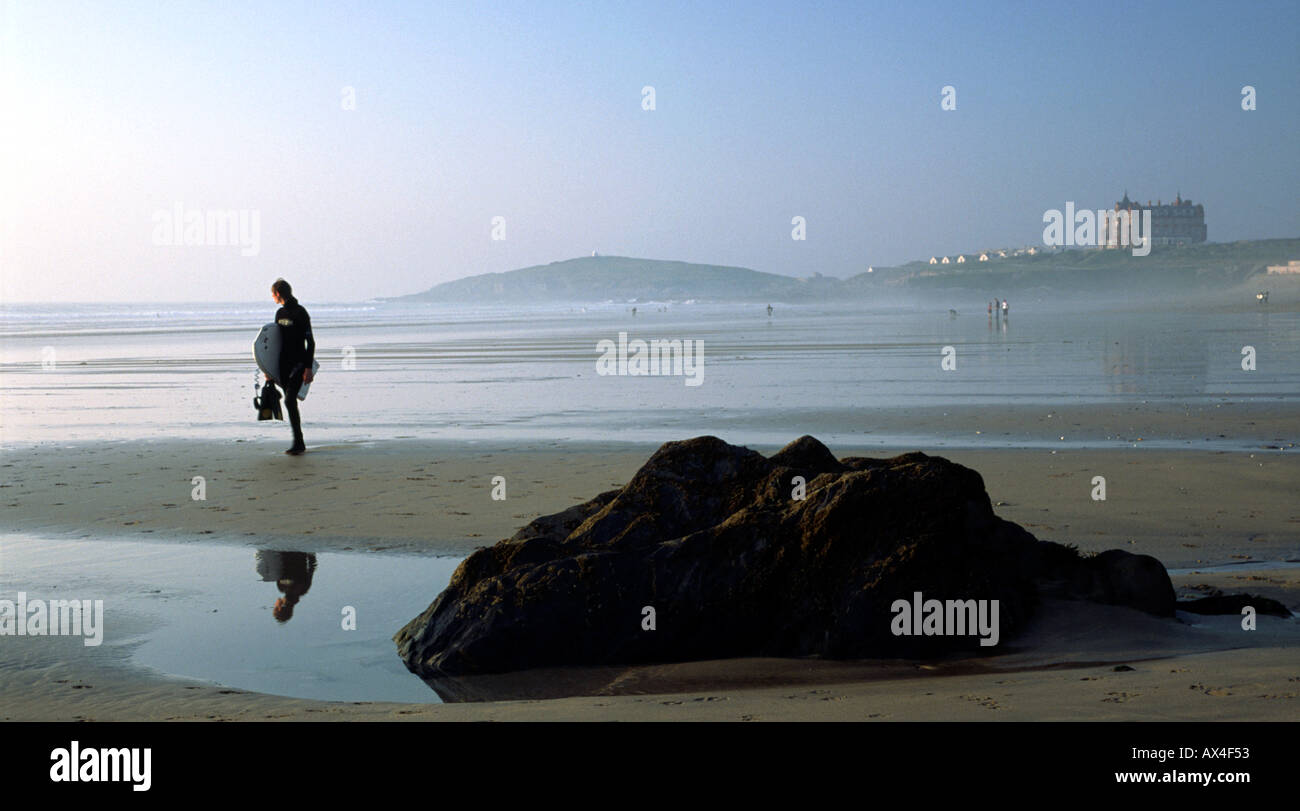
(270, 620)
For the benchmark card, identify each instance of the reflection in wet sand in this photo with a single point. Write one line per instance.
(291, 572)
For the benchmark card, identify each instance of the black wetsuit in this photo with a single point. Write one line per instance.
(291, 572)
(297, 349)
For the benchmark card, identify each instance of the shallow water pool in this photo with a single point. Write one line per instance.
(265, 620)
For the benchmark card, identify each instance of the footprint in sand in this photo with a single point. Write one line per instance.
(988, 702)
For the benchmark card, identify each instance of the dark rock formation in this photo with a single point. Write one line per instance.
(1232, 604)
(709, 535)
(1116, 577)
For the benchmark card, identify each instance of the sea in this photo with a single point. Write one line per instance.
(391, 370)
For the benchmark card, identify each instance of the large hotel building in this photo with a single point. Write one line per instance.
(1176, 223)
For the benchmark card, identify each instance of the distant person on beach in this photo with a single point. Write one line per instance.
(291, 572)
(769, 311)
(1005, 313)
(297, 350)
(990, 309)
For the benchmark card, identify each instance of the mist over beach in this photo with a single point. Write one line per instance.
(845, 373)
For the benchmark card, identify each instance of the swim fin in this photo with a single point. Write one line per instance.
(268, 403)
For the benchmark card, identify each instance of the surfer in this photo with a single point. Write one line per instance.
(297, 350)
(291, 572)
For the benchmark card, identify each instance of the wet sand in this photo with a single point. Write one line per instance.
(429, 496)
(1185, 507)
(53, 679)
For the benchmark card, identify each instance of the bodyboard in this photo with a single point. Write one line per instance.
(266, 351)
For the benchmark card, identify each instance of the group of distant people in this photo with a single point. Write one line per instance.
(995, 304)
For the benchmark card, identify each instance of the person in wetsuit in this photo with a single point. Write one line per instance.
(291, 572)
(297, 349)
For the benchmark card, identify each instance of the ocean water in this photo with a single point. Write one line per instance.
(114, 372)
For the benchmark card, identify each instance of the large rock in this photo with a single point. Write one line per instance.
(710, 536)
(1116, 577)
(1233, 604)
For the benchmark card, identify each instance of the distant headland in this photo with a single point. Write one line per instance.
(1202, 267)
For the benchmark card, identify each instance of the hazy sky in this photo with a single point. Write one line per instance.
(532, 111)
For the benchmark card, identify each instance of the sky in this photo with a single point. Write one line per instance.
(369, 147)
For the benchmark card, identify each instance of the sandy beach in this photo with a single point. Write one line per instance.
(1183, 500)
(445, 409)
(1188, 508)
(1257, 684)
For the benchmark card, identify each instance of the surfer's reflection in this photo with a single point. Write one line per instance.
(291, 572)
